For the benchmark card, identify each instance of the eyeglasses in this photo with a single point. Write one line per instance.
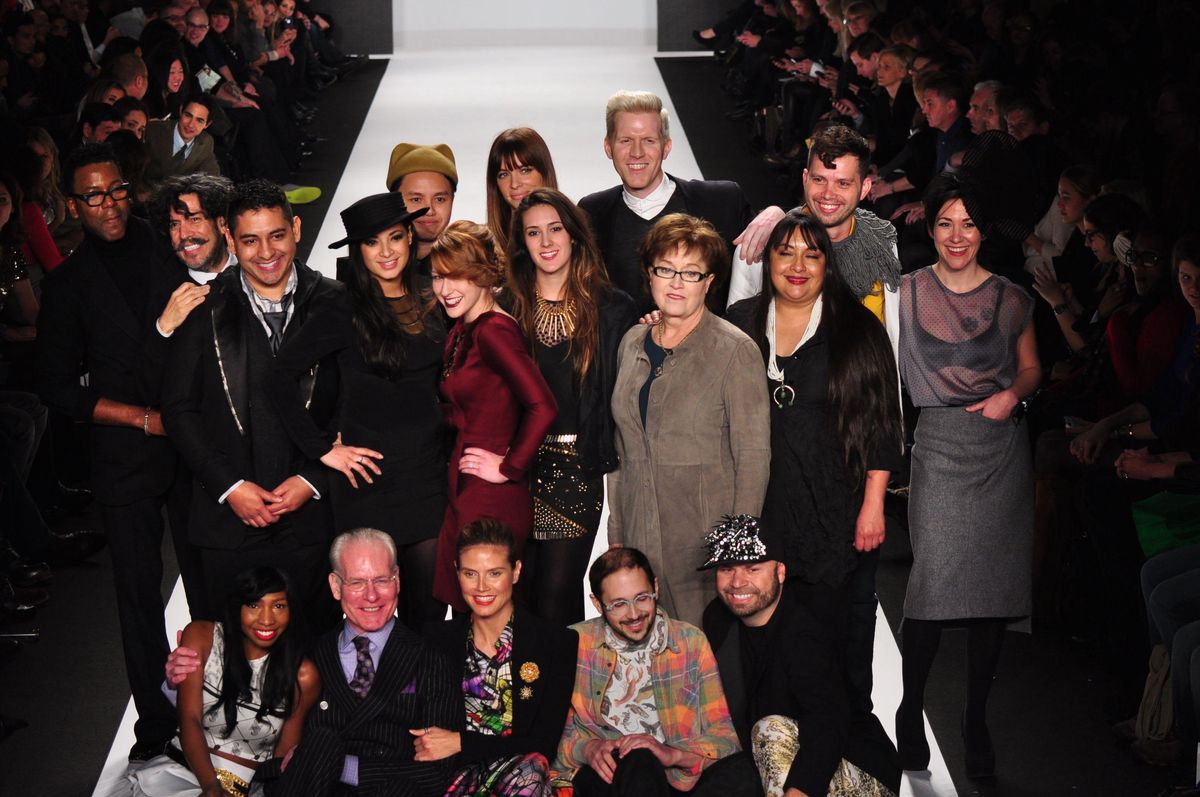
(1091, 235)
(357, 586)
(668, 273)
(197, 26)
(94, 199)
(622, 605)
(1143, 259)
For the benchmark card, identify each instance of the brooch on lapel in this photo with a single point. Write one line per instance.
(526, 693)
(529, 672)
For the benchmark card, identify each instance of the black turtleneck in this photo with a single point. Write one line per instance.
(128, 261)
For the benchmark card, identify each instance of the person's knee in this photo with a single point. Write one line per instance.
(639, 763)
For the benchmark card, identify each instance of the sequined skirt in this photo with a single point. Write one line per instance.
(566, 505)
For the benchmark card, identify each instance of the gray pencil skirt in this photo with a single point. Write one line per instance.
(970, 517)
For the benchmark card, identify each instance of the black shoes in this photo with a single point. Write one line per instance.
(144, 751)
(910, 739)
(981, 756)
(21, 571)
(69, 547)
(18, 604)
(8, 725)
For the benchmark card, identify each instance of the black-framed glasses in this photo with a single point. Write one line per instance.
(359, 585)
(668, 273)
(197, 26)
(1091, 235)
(94, 199)
(622, 605)
(1143, 259)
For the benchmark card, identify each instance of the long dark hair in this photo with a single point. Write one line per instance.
(283, 664)
(380, 338)
(587, 281)
(862, 369)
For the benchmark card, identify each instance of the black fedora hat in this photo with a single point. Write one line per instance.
(373, 214)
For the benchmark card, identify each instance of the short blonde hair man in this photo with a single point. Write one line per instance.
(625, 101)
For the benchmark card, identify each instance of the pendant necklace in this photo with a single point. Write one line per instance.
(659, 327)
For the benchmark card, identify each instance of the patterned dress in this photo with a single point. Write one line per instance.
(487, 695)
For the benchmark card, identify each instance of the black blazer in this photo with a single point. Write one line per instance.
(720, 202)
(803, 682)
(414, 687)
(86, 325)
(596, 429)
(540, 701)
(217, 357)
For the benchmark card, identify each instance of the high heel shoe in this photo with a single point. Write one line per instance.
(910, 739)
(981, 756)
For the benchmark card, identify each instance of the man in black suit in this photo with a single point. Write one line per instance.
(256, 498)
(379, 681)
(785, 690)
(637, 141)
(97, 312)
(190, 211)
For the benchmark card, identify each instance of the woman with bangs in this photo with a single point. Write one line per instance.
(573, 317)
(518, 162)
(494, 397)
(835, 420)
(242, 710)
(387, 440)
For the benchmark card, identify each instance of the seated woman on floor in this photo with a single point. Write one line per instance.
(243, 711)
(518, 673)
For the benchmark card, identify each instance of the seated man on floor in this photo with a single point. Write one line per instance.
(648, 715)
(786, 693)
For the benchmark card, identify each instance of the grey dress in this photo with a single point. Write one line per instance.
(970, 509)
(704, 452)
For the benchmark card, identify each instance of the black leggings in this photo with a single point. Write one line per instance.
(553, 576)
(639, 774)
(920, 641)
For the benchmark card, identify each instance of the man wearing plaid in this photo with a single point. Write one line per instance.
(648, 716)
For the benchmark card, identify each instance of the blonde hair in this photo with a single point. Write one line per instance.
(625, 101)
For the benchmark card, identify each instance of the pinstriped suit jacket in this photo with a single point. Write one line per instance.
(414, 687)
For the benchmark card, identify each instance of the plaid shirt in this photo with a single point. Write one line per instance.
(687, 691)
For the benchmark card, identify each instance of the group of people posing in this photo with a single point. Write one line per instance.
(453, 407)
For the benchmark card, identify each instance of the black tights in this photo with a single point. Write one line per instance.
(417, 604)
(553, 577)
(921, 639)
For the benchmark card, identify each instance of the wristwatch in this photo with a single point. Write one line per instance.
(1061, 308)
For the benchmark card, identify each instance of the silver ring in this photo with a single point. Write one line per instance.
(358, 459)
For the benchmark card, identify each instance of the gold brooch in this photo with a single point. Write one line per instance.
(526, 693)
(530, 672)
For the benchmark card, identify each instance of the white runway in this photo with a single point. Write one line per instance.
(463, 97)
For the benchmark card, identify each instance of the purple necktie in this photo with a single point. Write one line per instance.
(364, 672)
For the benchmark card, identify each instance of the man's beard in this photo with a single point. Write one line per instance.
(215, 259)
(764, 600)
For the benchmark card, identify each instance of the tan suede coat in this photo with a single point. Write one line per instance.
(704, 452)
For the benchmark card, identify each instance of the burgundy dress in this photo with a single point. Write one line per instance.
(495, 399)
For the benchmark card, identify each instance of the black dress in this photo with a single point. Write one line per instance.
(813, 494)
(397, 414)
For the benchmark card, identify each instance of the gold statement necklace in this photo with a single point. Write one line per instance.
(553, 322)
